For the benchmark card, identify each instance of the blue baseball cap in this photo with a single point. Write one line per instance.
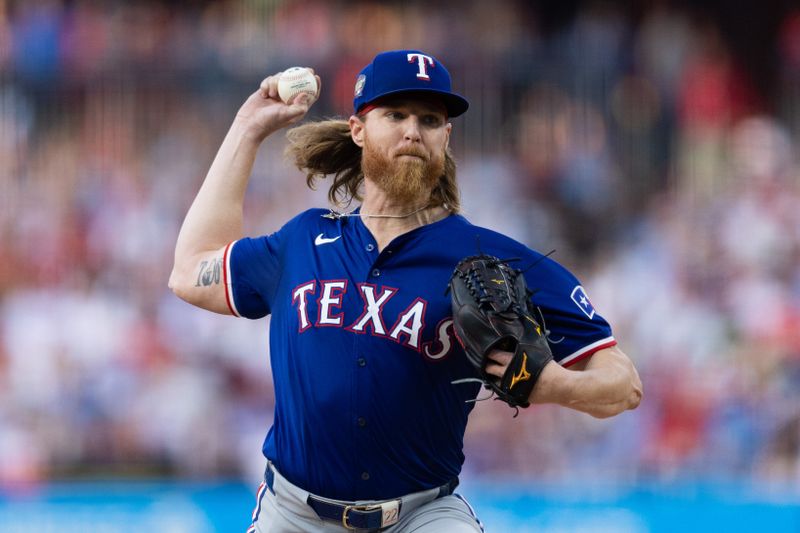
(406, 71)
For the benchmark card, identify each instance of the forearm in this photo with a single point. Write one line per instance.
(215, 216)
(607, 386)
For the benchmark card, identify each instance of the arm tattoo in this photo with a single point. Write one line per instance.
(210, 272)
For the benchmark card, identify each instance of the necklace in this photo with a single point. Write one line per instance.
(334, 215)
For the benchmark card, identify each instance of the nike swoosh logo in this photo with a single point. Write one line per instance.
(324, 240)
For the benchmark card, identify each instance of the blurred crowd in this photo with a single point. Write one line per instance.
(638, 148)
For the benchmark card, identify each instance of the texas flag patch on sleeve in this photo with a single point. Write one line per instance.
(582, 301)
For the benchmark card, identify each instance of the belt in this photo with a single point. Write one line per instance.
(360, 516)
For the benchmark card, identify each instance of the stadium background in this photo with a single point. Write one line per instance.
(651, 144)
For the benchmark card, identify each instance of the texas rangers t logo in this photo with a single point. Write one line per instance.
(421, 59)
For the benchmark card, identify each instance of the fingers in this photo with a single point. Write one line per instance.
(266, 106)
(269, 87)
(498, 362)
(495, 370)
(500, 357)
(299, 107)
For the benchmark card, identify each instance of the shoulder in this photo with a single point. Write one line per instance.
(473, 239)
(537, 265)
(272, 243)
(308, 220)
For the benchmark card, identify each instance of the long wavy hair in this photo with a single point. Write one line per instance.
(325, 148)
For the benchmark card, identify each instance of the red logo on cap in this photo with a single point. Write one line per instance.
(421, 60)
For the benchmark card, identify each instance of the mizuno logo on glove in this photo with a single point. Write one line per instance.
(523, 375)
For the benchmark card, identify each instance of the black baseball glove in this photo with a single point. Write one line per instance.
(492, 309)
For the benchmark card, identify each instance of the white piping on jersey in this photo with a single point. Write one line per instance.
(228, 281)
(610, 341)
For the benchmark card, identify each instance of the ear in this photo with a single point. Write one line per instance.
(448, 129)
(357, 130)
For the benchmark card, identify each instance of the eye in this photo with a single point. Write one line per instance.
(395, 115)
(433, 121)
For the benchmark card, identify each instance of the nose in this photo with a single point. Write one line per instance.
(411, 132)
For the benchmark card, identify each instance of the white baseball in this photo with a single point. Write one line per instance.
(294, 81)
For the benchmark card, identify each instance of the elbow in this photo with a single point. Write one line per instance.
(177, 285)
(632, 399)
(633, 391)
(605, 413)
(172, 283)
(628, 401)
(636, 397)
(636, 392)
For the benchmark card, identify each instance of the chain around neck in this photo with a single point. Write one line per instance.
(334, 215)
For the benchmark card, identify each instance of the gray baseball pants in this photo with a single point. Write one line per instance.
(282, 507)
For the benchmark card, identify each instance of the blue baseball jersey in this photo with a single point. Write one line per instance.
(363, 352)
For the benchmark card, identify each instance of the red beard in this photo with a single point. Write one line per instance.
(407, 180)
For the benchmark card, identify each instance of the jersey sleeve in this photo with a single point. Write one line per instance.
(252, 272)
(575, 330)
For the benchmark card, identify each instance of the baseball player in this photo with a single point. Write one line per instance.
(372, 391)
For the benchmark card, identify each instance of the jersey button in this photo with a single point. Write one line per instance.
(362, 361)
(362, 421)
(370, 247)
(376, 272)
(365, 475)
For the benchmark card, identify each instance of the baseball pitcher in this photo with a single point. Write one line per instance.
(386, 321)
